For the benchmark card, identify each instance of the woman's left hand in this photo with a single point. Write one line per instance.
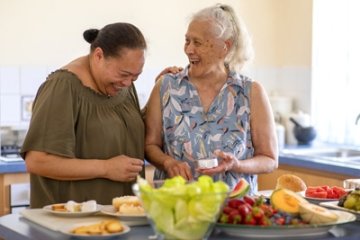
(227, 162)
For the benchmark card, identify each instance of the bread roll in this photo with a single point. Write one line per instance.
(291, 182)
(128, 205)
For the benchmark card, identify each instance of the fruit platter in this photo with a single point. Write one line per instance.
(284, 214)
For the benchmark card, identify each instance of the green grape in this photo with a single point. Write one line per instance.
(357, 207)
(350, 202)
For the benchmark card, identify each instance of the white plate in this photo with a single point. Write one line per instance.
(129, 219)
(72, 214)
(334, 204)
(67, 231)
(317, 200)
(267, 193)
(284, 231)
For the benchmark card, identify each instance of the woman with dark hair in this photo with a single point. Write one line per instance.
(86, 135)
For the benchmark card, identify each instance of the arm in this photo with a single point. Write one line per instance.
(263, 137)
(154, 142)
(263, 131)
(119, 168)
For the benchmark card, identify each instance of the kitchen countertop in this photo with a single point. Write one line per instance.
(12, 167)
(297, 161)
(330, 166)
(15, 227)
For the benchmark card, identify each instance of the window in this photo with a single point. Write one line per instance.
(335, 74)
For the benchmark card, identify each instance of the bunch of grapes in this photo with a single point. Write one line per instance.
(351, 200)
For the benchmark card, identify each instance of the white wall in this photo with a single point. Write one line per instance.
(38, 36)
(50, 32)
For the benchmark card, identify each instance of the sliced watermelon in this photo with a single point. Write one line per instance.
(241, 189)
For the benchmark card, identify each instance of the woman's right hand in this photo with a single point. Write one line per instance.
(177, 168)
(123, 168)
(173, 69)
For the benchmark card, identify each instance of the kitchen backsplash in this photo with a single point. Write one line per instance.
(19, 84)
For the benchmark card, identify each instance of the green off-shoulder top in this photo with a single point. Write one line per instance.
(71, 120)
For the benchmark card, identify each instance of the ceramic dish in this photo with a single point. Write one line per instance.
(48, 208)
(129, 219)
(318, 200)
(261, 232)
(334, 205)
(267, 193)
(67, 231)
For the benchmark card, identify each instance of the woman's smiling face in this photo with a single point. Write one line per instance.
(205, 51)
(119, 72)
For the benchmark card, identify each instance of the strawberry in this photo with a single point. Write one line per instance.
(257, 212)
(227, 209)
(267, 209)
(244, 210)
(235, 203)
(249, 220)
(249, 200)
(234, 217)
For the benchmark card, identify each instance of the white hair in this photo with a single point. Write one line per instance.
(228, 26)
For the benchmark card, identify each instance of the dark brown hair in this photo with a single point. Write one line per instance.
(114, 37)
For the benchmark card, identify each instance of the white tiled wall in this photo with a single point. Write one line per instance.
(293, 82)
(17, 82)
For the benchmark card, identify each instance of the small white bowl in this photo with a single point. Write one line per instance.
(207, 163)
(351, 183)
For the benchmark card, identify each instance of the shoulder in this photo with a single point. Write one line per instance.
(171, 81)
(59, 83)
(62, 74)
(257, 88)
(248, 84)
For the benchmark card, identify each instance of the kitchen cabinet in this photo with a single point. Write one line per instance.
(310, 176)
(6, 180)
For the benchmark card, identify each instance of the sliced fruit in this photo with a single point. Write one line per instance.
(286, 200)
(316, 194)
(315, 214)
(241, 189)
(325, 192)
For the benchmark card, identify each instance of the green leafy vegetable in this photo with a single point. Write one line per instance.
(181, 210)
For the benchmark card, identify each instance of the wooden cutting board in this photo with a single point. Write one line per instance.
(55, 222)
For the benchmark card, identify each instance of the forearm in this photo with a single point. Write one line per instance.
(61, 168)
(256, 165)
(156, 156)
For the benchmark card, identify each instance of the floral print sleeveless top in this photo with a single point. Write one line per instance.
(190, 134)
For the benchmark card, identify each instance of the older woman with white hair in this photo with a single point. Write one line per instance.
(210, 110)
